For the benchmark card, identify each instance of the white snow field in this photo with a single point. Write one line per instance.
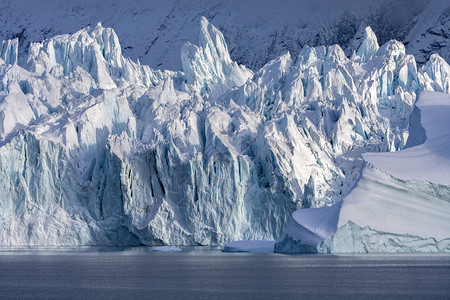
(400, 204)
(96, 148)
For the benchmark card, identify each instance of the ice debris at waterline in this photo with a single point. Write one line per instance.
(97, 149)
(250, 246)
(167, 249)
(400, 204)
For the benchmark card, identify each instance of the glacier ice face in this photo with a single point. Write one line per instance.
(9, 51)
(436, 73)
(308, 229)
(400, 203)
(110, 151)
(15, 112)
(351, 238)
(96, 50)
(39, 203)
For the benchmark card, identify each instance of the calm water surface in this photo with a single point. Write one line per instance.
(194, 273)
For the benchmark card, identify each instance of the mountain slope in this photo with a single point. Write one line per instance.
(429, 32)
(154, 31)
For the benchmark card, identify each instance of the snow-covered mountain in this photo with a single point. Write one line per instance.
(429, 32)
(99, 149)
(256, 32)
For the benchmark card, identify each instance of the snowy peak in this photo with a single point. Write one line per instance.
(208, 66)
(368, 46)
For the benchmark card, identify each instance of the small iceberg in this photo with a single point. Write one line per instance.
(167, 249)
(250, 246)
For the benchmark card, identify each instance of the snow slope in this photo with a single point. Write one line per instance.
(429, 32)
(96, 148)
(400, 204)
(427, 162)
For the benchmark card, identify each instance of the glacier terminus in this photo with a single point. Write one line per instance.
(320, 152)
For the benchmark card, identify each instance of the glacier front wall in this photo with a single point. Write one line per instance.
(98, 149)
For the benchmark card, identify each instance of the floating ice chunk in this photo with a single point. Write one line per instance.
(351, 238)
(250, 246)
(167, 249)
(308, 228)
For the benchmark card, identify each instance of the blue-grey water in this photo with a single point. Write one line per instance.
(194, 273)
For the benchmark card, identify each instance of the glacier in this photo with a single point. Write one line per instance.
(98, 149)
(400, 204)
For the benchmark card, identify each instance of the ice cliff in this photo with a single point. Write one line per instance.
(98, 149)
(400, 204)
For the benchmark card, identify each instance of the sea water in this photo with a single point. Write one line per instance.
(207, 273)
